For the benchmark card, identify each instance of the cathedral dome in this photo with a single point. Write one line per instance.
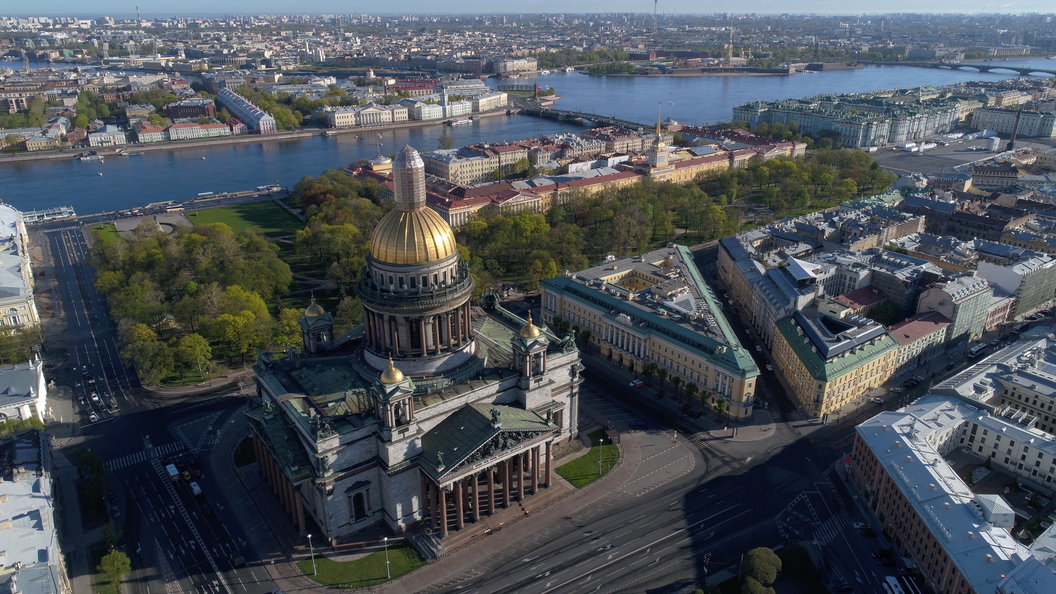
(412, 237)
(412, 233)
(530, 330)
(391, 375)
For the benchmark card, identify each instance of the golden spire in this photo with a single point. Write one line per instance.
(391, 375)
(659, 144)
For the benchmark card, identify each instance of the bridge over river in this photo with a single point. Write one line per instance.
(981, 67)
(562, 115)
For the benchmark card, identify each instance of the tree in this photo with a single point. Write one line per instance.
(720, 406)
(446, 142)
(192, 353)
(661, 373)
(691, 390)
(115, 565)
(752, 586)
(761, 564)
(676, 381)
(81, 121)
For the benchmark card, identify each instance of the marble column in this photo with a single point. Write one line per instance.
(491, 491)
(460, 515)
(535, 470)
(520, 477)
(476, 498)
(549, 466)
(506, 482)
(443, 512)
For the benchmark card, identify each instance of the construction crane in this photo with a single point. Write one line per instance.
(654, 16)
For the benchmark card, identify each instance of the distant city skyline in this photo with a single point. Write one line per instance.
(206, 8)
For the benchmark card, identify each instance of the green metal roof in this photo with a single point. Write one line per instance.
(281, 441)
(469, 429)
(826, 371)
(736, 359)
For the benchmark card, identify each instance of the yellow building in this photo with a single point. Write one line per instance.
(832, 362)
(655, 308)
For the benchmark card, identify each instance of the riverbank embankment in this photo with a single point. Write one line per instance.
(113, 151)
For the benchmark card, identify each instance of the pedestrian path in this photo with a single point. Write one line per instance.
(140, 457)
(831, 528)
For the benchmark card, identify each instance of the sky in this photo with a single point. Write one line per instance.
(126, 8)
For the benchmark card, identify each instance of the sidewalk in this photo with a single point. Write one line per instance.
(762, 424)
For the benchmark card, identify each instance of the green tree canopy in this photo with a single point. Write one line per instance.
(761, 564)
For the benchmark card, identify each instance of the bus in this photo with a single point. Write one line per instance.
(977, 350)
(891, 585)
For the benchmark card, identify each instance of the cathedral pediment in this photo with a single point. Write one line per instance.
(477, 434)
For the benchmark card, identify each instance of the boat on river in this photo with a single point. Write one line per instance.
(132, 154)
(89, 157)
(460, 122)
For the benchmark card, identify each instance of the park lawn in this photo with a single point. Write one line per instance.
(270, 218)
(105, 232)
(366, 571)
(584, 470)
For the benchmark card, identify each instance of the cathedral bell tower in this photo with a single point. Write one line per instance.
(317, 328)
(394, 403)
(529, 355)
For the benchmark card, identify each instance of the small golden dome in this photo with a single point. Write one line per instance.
(530, 330)
(391, 375)
(314, 310)
(412, 237)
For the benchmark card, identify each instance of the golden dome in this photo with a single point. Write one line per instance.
(412, 237)
(530, 330)
(391, 375)
(314, 310)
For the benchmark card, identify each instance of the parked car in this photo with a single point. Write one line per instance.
(769, 367)
(878, 400)
(758, 349)
(93, 417)
(637, 384)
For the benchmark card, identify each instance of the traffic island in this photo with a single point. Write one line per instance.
(602, 457)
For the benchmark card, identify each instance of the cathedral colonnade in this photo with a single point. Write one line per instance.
(451, 504)
(280, 484)
(404, 336)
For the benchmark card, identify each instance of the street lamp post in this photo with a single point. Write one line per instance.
(601, 444)
(388, 574)
(312, 549)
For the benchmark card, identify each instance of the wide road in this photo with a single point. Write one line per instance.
(94, 364)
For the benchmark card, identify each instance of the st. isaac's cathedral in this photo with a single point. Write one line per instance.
(430, 413)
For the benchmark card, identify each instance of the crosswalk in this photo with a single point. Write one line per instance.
(831, 528)
(140, 457)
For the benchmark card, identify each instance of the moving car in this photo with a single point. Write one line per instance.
(637, 384)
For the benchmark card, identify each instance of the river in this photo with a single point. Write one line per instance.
(129, 182)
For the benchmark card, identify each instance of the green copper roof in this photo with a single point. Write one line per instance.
(470, 429)
(735, 359)
(826, 371)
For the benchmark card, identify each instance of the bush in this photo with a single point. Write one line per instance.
(762, 565)
(752, 586)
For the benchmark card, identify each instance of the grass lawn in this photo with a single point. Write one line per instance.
(270, 218)
(365, 571)
(105, 232)
(584, 470)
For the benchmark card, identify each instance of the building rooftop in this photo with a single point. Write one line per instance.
(662, 292)
(917, 327)
(831, 347)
